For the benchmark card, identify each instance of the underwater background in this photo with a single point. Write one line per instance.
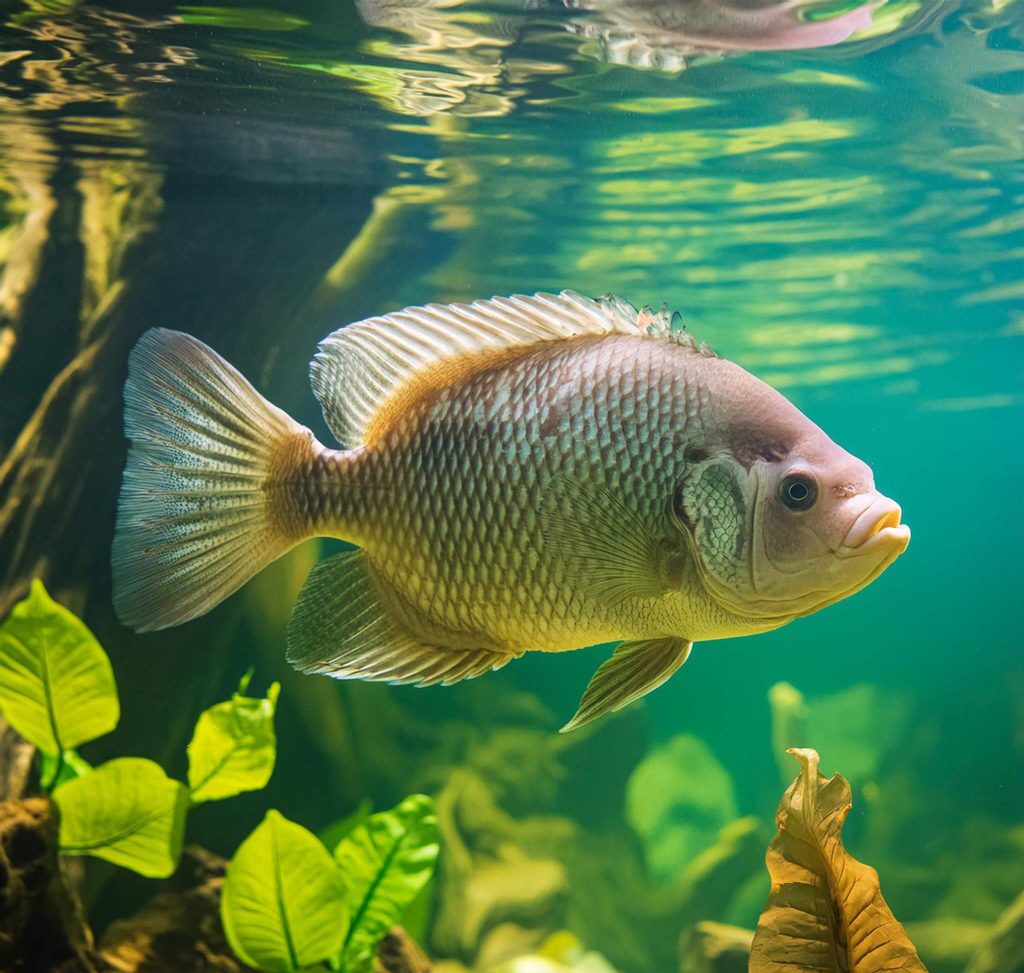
(834, 200)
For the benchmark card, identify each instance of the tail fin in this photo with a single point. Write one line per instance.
(197, 515)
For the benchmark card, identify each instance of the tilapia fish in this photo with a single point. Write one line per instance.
(520, 474)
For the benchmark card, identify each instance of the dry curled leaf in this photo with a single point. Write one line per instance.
(825, 911)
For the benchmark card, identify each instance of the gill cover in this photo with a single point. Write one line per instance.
(712, 505)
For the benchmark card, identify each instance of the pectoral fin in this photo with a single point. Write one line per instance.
(607, 545)
(350, 624)
(634, 670)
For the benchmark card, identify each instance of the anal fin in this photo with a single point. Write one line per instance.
(343, 626)
(634, 669)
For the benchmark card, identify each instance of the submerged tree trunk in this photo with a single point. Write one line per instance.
(42, 929)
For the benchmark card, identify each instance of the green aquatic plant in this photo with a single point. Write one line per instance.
(56, 685)
(127, 811)
(57, 690)
(853, 729)
(288, 905)
(233, 748)
(283, 904)
(678, 799)
(386, 860)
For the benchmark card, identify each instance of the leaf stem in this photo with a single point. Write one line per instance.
(55, 776)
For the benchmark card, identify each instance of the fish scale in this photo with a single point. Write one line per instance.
(473, 497)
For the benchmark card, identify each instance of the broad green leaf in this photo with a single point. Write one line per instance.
(677, 800)
(56, 685)
(233, 747)
(283, 904)
(127, 811)
(853, 729)
(56, 770)
(386, 861)
(825, 912)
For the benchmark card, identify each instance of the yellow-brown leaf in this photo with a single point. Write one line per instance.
(825, 912)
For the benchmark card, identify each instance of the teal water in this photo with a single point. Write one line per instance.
(844, 221)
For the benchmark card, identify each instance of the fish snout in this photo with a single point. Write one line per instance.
(878, 525)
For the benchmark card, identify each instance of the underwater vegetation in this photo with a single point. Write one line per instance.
(286, 903)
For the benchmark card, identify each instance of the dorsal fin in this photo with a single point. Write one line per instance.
(360, 368)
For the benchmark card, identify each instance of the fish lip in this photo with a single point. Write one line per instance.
(877, 525)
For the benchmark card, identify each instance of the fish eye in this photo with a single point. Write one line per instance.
(798, 491)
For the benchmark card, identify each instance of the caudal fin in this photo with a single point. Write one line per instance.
(199, 512)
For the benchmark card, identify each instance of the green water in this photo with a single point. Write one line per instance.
(843, 221)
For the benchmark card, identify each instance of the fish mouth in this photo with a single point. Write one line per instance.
(877, 526)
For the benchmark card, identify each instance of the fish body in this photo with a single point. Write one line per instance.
(527, 474)
(455, 503)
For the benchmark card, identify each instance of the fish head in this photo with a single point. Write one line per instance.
(781, 520)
